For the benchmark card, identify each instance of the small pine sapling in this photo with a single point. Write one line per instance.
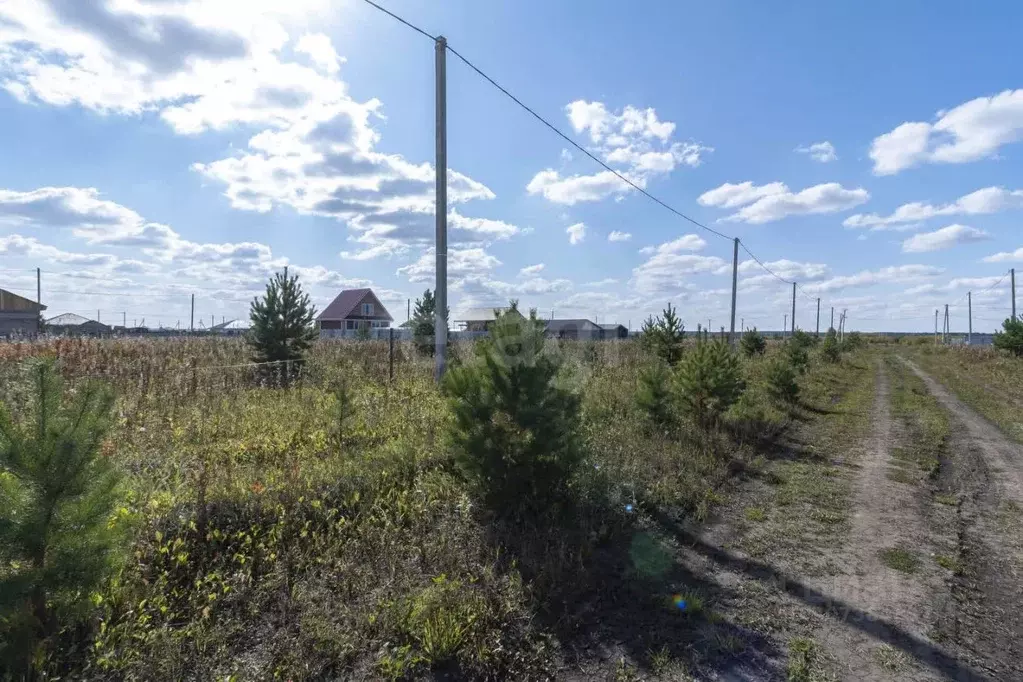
(1010, 339)
(708, 382)
(664, 336)
(57, 492)
(752, 343)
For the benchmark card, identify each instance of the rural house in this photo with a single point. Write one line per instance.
(480, 319)
(70, 324)
(574, 329)
(614, 331)
(18, 315)
(353, 309)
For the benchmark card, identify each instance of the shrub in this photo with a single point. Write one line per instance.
(752, 343)
(830, 350)
(708, 382)
(515, 428)
(803, 339)
(653, 395)
(664, 336)
(1011, 337)
(282, 322)
(796, 355)
(56, 495)
(781, 380)
(852, 341)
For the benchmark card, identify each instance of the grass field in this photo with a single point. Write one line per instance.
(321, 529)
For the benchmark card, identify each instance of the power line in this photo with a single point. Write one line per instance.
(395, 16)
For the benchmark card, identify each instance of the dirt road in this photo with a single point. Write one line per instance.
(987, 472)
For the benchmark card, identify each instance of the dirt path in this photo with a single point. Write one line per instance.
(894, 605)
(987, 472)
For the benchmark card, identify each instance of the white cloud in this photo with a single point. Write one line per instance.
(606, 282)
(320, 51)
(663, 274)
(634, 141)
(461, 263)
(731, 195)
(823, 152)
(531, 269)
(774, 201)
(576, 233)
(945, 238)
(983, 201)
(1005, 256)
(971, 131)
(65, 207)
(616, 236)
(865, 278)
(784, 268)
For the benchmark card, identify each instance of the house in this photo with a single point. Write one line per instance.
(573, 329)
(614, 331)
(480, 319)
(231, 328)
(70, 324)
(18, 315)
(353, 309)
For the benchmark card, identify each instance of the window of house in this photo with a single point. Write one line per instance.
(349, 324)
(367, 309)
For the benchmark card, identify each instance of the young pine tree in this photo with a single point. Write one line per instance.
(664, 336)
(709, 382)
(423, 323)
(752, 343)
(830, 349)
(515, 430)
(282, 322)
(653, 394)
(1011, 337)
(57, 491)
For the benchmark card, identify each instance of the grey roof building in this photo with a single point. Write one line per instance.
(351, 310)
(18, 315)
(573, 329)
(70, 323)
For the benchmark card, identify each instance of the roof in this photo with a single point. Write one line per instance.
(67, 320)
(556, 325)
(612, 326)
(347, 301)
(11, 302)
(483, 314)
(232, 325)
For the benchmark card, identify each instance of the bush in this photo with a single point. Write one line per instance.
(796, 355)
(852, 341)
(781, 380)
(515, 428)
(803, 339)
(708, 382)
(56, 495)
(830, 350)
(653, 395)
(664, 336)
(752, 343)
(1011, 337)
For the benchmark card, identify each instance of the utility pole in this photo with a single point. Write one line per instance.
(948, 331)
(969, 314)
(785, 324)
(742, 325)
(935, 326)
(124, 319)
(441, 167)
(818, 317)
(39, 290)
(793, 307)
(408, 310)
(832, 318)
(97, 316)
(191, 319)
(735, 284)
(1013, 272)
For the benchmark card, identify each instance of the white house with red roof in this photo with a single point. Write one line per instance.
(351, 310)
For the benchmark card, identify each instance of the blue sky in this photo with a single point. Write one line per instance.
(157, 148)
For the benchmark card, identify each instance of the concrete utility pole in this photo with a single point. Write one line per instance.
(832, 318)
(785, 324)
(793, 307)
(39, 290)
(948, 331)
(124, 319)
(818, 317)
(735, 284)
(440, 328)
(969, 314)
(408, 309)
(191, 319)
(97, 316)
(1013, 273)
(935, 326)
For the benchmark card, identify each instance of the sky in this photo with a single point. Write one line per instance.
(872, 152)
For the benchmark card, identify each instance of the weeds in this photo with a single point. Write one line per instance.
(899, 559)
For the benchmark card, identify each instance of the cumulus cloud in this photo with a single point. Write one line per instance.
(634, 141)
(617, 236)
(865, 278)
(983, 201)
(461, 263)
(774, 201)
(756, 275)
(823, 152)
(1005, 256)
(576, 233)
(971, 131)
(945, 238)
(531, 269)
(664, 272)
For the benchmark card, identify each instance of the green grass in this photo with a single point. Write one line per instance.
(925, 423)
(946, 499)
(951, 563)
(899, 559)
(806, 662)
(756, 514)
(890, 658)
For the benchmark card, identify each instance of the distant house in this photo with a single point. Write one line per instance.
(18, 315)
(231, 328)
(70, 324)
(573, 329)
(353, 309)
(614, 331)
(480, 319)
